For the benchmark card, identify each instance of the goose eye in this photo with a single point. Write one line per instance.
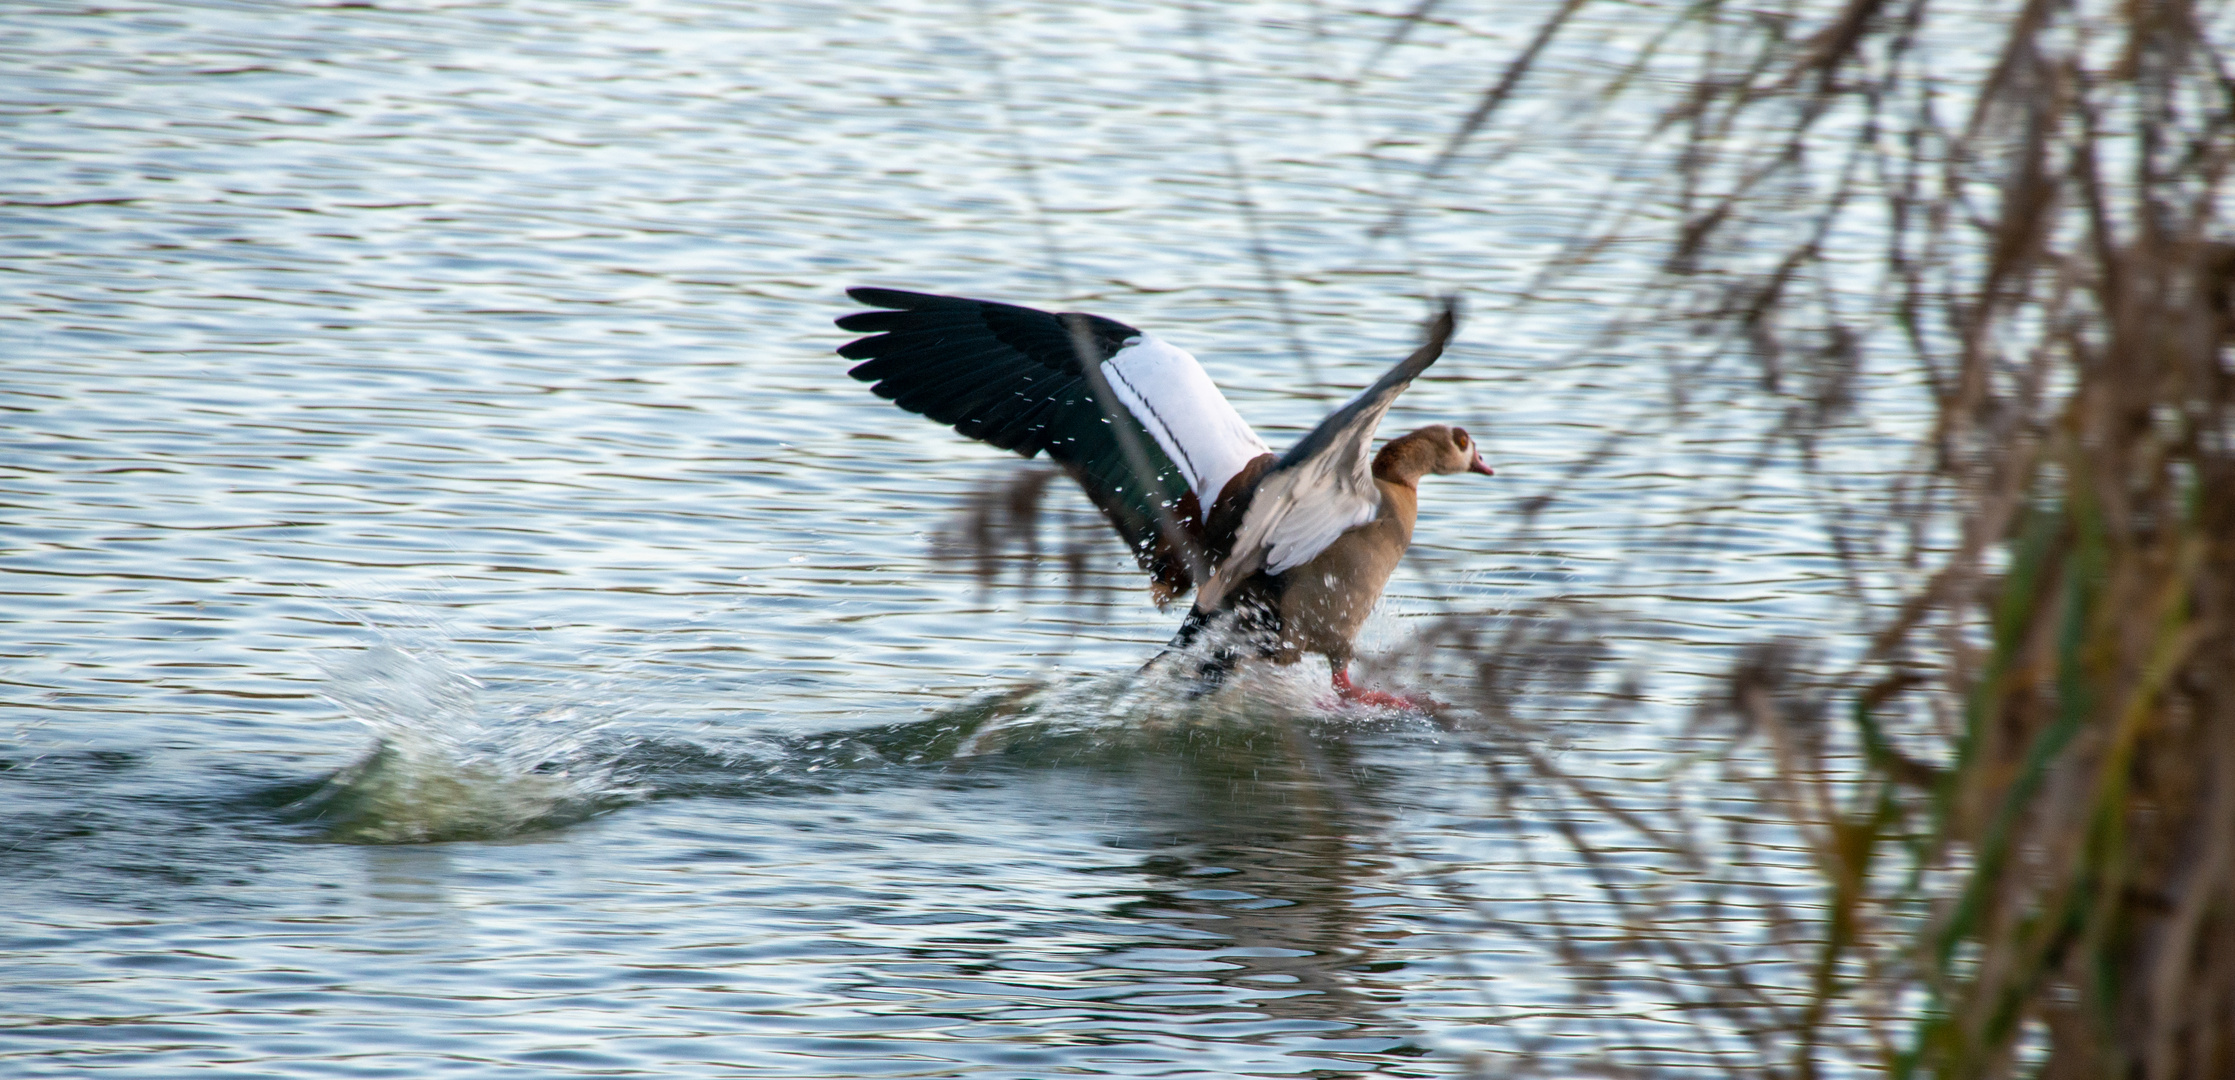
(1459, 436)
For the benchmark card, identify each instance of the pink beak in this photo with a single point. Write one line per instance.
(1479, 467)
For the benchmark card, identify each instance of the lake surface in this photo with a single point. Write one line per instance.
(457, 617)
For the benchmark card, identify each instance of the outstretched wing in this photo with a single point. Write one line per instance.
(1324, 485)
(1013, 377)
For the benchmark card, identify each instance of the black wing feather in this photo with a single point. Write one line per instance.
(1011, 376)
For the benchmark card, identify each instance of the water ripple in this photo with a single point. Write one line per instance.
(420, 426)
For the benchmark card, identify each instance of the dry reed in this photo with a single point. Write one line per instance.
(2017, 798)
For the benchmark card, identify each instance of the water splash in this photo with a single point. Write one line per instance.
(456, 759)
(1115, 718)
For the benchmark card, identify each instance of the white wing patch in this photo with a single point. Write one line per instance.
(1308, 513)
(1295, 514)
(1170, 394)
(1301, 508)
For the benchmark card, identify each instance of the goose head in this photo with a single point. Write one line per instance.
(1455, 452)
(1438, 448)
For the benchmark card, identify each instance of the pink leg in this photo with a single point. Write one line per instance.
(1351, 693)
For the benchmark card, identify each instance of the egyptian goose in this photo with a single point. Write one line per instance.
(1291, 550)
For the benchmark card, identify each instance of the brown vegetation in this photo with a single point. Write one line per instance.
(2020, 801)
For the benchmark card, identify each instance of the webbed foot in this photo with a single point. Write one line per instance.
(1356, 695)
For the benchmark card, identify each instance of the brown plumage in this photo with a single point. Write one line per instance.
(1326, 600)
(1319, 607)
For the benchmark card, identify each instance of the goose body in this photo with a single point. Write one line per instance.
(1289, 552)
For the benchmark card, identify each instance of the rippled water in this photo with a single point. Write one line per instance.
(457, 618)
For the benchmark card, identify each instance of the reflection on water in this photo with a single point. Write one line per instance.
(456, 617)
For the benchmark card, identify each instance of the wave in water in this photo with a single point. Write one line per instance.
(458, 758)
